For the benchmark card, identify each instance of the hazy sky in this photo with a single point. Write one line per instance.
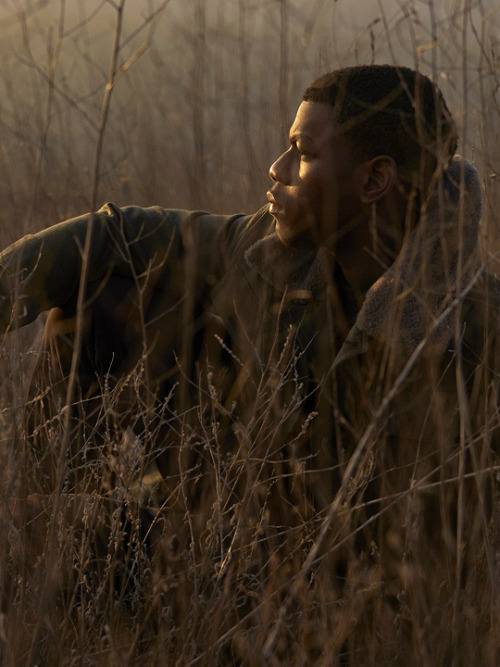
(203, 112)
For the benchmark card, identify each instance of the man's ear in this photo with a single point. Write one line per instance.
(378, 176)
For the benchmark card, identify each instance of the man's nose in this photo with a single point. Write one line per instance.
(278, 171)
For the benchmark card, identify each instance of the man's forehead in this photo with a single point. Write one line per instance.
(313, 121)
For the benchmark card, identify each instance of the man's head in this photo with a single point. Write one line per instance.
(362, 136)
(396, 111)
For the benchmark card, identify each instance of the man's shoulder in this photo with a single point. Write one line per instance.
(481, 318)
(483, 299)
(244, 230)
(149, 225)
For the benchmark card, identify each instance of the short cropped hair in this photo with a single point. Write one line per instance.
(391, 110)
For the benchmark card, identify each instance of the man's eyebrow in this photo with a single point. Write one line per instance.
(298, 136)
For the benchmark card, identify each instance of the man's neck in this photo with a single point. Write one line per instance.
(370, 245)
(362, 275)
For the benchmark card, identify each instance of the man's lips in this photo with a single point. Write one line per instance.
(273, 204)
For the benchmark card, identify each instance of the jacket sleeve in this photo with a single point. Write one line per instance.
(173, 249)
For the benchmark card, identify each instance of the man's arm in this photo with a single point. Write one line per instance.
(173, 250)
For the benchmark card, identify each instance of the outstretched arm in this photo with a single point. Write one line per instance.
(44, 270)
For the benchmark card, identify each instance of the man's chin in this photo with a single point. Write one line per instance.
(294, 236)
(284, 233)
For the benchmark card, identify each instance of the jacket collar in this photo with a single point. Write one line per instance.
(436, 263)
(287, 268)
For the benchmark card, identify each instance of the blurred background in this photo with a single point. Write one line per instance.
(203, 92)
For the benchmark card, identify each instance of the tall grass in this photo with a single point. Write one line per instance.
(185, 104)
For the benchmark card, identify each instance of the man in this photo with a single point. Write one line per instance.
(340, 338)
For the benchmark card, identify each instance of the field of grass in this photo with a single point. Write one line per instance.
(185, 104)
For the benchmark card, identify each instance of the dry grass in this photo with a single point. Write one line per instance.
(198, 101)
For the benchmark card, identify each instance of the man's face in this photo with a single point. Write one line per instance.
(314, 186)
